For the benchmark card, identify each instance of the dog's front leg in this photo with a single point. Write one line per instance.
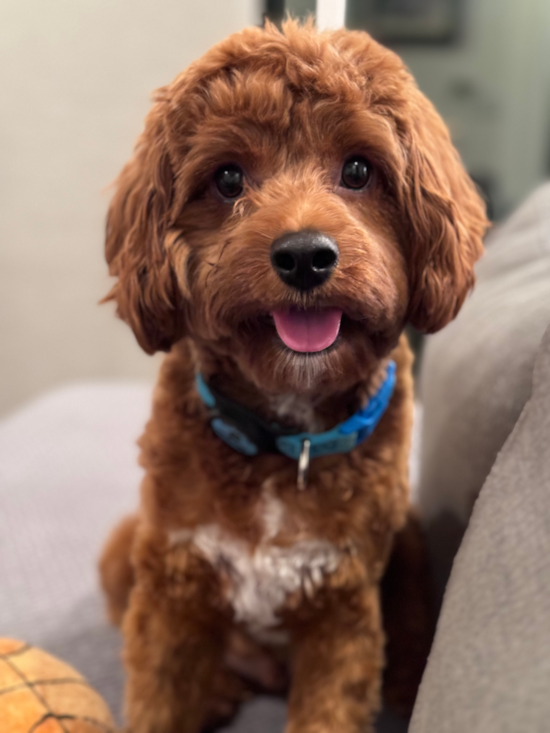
(337, 669)
(174, 639)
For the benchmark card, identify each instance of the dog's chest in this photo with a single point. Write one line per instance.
(259, 580)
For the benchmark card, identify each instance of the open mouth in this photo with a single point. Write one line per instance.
(308, 330)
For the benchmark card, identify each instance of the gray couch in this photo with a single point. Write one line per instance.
(68, 471)
(489, 669)
(475, 376)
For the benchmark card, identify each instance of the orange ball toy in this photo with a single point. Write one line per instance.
(39, 693)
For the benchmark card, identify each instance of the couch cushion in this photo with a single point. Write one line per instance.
(489, 669)
(476, 373)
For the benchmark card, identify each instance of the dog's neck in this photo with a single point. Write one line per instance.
(307, 411)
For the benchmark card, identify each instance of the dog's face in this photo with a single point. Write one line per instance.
(293, 202)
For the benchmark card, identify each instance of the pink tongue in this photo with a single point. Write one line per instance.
(308, 330)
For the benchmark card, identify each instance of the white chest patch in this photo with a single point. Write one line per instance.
(261, 580)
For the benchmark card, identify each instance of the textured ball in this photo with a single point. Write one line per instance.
(39, 693)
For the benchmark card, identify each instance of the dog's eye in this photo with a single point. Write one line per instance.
(355, 173)
(229, 180)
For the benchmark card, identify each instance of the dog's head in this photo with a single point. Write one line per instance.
(293, 202)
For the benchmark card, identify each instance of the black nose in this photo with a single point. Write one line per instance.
(304, 259)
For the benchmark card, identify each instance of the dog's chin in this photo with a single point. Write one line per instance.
(277, 369)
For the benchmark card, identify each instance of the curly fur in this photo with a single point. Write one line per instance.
(194, 279)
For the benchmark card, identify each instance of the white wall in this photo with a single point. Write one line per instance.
(75, 79)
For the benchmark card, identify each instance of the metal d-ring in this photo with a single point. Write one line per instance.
(303, 464)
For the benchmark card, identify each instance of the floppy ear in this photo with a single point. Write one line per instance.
(146, 292)
(445, 218)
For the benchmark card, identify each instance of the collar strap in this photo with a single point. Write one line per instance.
(247, 433)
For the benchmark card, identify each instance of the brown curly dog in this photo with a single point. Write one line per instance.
(292, 204)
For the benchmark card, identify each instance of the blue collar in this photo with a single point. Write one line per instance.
(245, 432)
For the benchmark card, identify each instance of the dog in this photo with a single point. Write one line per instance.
(293, 202)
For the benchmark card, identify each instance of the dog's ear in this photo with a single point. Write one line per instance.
(445, 219)
(139, 217)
